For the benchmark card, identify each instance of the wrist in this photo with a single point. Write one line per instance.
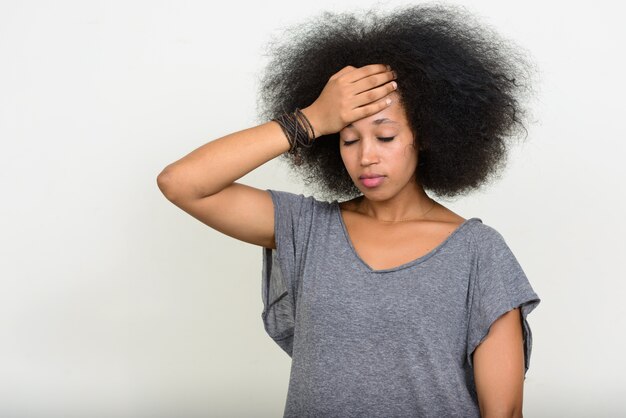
(313, 120)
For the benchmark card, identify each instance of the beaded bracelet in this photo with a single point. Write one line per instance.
(297, 129)
(299, 132)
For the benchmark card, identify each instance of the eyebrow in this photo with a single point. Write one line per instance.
(376, 122)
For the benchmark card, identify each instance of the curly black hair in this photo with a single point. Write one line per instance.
(460, 83)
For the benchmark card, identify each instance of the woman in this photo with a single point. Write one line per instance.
(389, 303)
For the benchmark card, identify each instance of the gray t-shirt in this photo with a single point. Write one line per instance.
(383, 343)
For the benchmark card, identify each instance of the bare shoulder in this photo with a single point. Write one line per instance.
(451, 217)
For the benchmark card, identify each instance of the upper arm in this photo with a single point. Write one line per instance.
(499, 367)
(239, 211)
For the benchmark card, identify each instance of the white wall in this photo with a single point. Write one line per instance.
(113, 300)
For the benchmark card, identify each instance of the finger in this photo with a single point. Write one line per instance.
(373, 95)
(372, 108)
(372, 82)
(366, 71)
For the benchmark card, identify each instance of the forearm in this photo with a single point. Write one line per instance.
(511, 413)
(217, 164)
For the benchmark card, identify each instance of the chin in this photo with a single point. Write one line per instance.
(376, 195)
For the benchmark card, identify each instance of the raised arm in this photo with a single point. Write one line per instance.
(203, 182)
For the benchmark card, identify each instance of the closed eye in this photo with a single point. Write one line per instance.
(384, 139)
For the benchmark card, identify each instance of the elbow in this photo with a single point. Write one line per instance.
(164, 181)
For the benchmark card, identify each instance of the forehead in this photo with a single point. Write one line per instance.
(392, 116)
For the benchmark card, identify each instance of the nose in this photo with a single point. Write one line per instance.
(369, 152)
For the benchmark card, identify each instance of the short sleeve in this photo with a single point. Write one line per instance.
(282, 267)
(499, 285)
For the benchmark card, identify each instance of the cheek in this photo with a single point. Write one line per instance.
(409, 153)
(347, 154)
(345, 157)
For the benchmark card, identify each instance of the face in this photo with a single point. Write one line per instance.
(382, 145)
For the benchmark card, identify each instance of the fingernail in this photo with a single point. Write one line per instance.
(388, 67)
(394, 84)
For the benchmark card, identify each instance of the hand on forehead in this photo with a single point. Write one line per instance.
(394, 112)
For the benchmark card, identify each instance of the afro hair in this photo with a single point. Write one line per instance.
(461, 85)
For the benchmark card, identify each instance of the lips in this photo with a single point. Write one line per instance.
(372, 181)
(370, 176)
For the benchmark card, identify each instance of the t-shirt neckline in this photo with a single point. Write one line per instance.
(407, 264)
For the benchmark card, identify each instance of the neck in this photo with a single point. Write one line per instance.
(411, 203)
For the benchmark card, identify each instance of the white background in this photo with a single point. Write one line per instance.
(114, 302)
